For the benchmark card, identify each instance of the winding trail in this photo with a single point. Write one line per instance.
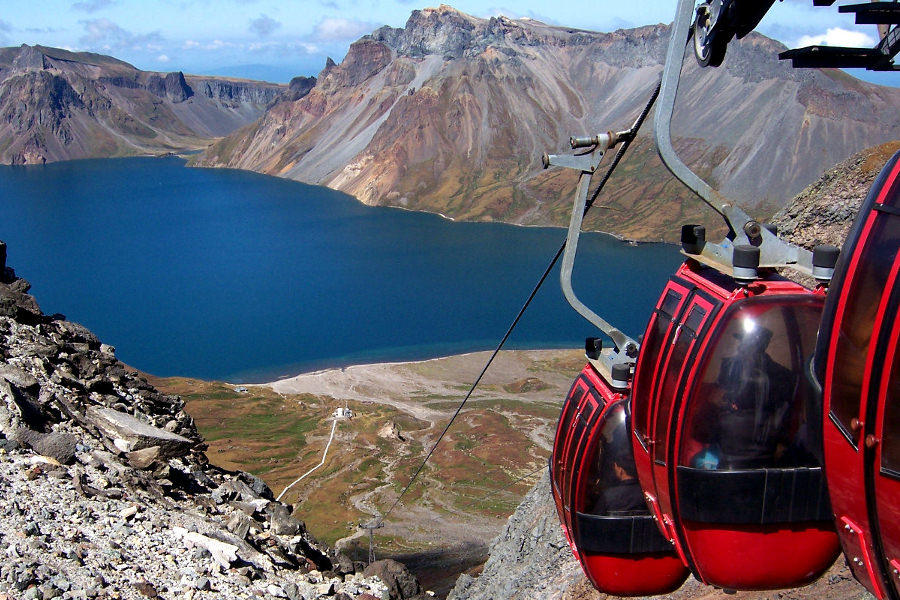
(322, 462)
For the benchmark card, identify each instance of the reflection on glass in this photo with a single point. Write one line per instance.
(750, 407)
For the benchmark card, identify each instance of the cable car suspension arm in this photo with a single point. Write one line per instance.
(587, 163)
(743, 230)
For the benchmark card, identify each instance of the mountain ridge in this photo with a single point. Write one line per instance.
(61, 105)
(451, 113)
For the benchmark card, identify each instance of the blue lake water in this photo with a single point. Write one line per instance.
(223, 274)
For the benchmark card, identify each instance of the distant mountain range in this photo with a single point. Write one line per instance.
(451, 114)
(58, 105)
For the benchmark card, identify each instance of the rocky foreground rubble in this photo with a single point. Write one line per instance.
(107, 492)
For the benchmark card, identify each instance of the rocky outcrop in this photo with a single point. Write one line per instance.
(171, 86)
(59, 105)
(299, 87)
(235, 90)
(529, 559)
(451, 114)
(108, 492)
(824, 211)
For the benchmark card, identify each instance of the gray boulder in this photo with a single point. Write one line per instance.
(400, 582)
(129, 434)
(58, 446)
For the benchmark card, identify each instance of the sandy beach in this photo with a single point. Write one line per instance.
(401, 384)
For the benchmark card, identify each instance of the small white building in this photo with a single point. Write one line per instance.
(342, 413)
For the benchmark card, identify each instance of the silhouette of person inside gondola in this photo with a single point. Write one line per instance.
(619, 490)
(753, 410)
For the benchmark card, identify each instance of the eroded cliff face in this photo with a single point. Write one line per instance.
(451, 114)
(59, 105)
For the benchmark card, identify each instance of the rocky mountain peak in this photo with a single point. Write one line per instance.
(365, 58)
(29, 58)
(447, 32)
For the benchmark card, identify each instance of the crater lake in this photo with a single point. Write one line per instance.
(231, 275)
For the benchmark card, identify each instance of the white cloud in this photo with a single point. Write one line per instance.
(163, 58)
(103, 33)
(92, 5)
(837, 36)
(332, 30)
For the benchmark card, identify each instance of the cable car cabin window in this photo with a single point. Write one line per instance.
(613, 488)
(653, 343)
(570, 409)
(750, 408)
(890, 448)
(858, 319)
(580, 434)
(681, 345)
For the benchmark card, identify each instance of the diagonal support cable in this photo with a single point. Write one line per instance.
(618, 157)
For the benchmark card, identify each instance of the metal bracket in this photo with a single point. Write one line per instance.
(587, 163)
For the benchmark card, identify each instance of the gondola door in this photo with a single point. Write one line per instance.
(856, 361)
(886, 443)
(606, 522)
(667, 358)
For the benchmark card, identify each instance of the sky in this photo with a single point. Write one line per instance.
(275, 40)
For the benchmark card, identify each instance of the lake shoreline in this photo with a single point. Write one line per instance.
(374, 382)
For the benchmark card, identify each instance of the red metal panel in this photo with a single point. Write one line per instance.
(762, 557)
(641, 575)
(886, 437)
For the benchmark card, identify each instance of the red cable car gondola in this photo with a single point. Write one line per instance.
(598, 497)
(721, 405)
(858, 363)
(722, 412)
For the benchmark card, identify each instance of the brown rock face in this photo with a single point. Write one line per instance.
(59, 105)
(452, 113)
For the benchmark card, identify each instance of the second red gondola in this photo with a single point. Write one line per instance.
(722, 419)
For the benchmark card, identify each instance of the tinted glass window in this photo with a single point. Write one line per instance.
(614, 487)
(855, 330)
(581, 431)
(751, 405)
(645, 373)
(890, 448)
(684, 337)
(562, 433)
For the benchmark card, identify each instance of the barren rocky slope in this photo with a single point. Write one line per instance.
(531, 559)
(60, 105)
(451, 114)
(108, 492)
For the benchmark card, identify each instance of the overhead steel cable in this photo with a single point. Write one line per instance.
(632, 134)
